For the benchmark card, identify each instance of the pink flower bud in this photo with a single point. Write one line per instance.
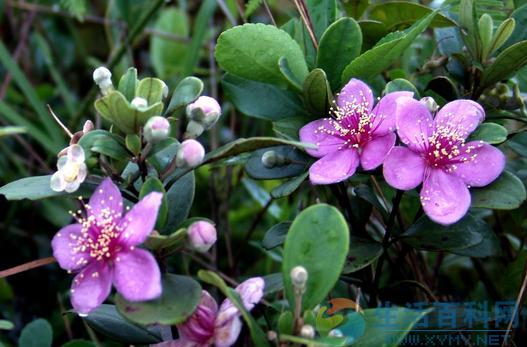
(202, 235)
(204, 110)
(156, 129)
(190, 154)
(251, 291)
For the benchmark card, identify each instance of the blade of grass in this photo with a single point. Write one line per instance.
(29, 92)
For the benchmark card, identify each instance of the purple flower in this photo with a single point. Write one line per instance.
(438, 156)
(209, 325)
(101, 247)
(358, 133)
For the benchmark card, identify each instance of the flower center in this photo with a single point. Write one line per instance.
(70, 171)
(352, 122)
(99, 236)
(447, 149)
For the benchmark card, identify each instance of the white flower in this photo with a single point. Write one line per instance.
(71, 170)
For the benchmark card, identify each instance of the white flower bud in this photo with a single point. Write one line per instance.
(103, 78)
(430, 103)
(202, 235)
(269, 159)
(71, 171)
(190, 154)
(336, 333)
(139, 103)
(205, 110)
(156, 129)
(299, 277)
(272, 335)
(88, 126)
(307, 331)
(165, 90)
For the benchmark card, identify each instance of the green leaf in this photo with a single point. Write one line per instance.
(339, 45)
(180, 196)
(118, 111)
(387, 327)
(289, 187)
(520, 31)
(490, 245)
(151, 89)
(97, 137)
(251, 6)
(507, 63)
(38, 333)
(400, 84)
(252, 51)
(489, 132)
(166, 244)
(242, 145)
(5, 131)
(261, 100)
(180, 297)
(110, 146)
(286, 323)
(168, 55)
(507, 192)
(296, 162)
(128, 84)
(319, 241)
(77, 8)
(355, 8)
(106, 320)
(289, 128)
(276, 235)
(397, 15)
(133, 143)
(283, 65)
(486, 29)
(258, 336)
(6, 325)
(322, 13)
(187, 91)
(153, 184)
(36, 188)
(362, 253)
(317, 93)
(427, 235)
(384, 54)
(444, 87)
(502, 34)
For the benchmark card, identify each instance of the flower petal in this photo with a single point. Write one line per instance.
(57, 182)
(316, 132)
(137, 276)
(375, 151)
(334, 167)
(487, 165)
(177, 343)
(385, 111)
(251, 291)
(355, 92)
(462, 115)
(140, 221)
(414, 123)
(106, 197)
(228, 326)
(403, 169)
(445, 197)
(199, 327)
(91, 287)
(76, 154)
(65, 249)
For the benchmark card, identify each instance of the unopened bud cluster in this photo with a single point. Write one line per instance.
(202, 235)
(156, 129)
(190, 154)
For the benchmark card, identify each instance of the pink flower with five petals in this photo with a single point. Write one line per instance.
(357, 133)
(101, 248)
(438, 156)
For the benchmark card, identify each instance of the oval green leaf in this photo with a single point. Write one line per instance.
(507, 192)
(319, 241)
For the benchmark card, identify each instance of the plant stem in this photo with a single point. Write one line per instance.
(27, 266)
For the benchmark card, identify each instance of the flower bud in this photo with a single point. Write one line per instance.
(336, 333)
(190, 154)
(430, 103)
(307, 331)
(103, 78)
(156, 129)
(202, 235)
(251, 291)
(299, 277)
(165, 90)
(269, 159)
(205, 110)
(139, 103)
(272, 335)
(88, 126)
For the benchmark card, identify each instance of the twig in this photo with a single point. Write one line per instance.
(66, 130)
(519, 303)
(27, 266)
(226, 12)
(304, 14)
(269, 13)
